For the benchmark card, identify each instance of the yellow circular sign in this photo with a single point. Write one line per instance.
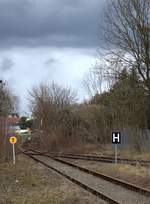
(13, 140)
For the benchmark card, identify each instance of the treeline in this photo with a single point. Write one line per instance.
(8, 104)
(62, 122)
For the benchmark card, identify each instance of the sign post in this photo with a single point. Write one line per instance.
(14, 158)
(116, 139)
(116, 154)
(13, 141)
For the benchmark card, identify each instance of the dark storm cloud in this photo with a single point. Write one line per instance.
(71, 23)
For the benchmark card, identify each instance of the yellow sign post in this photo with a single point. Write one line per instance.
(13, 141)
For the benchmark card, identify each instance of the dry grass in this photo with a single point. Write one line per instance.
(137, 175)
(31, 183)
(24, 184)
(108, 150)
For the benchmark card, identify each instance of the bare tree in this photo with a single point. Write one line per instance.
(95, 79)
(9, 102)
(50, 97)
(127, 30)
(50, 106)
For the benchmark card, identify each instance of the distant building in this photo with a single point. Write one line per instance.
(13, 120)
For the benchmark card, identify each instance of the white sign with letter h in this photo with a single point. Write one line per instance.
(116, 137)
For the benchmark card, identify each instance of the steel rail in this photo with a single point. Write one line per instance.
(96, 158)
(104, 159)
(108, 178)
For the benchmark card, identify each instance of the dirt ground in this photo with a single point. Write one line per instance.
(108, 150)
(30, 183)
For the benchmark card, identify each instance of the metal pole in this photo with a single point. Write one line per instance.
(41, 123)
(14, 159)
(115, 153)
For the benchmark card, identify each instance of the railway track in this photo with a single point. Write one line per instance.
(100, 158)
(105, 159)
(100, 185)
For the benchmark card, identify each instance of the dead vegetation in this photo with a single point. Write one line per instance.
(31, 183)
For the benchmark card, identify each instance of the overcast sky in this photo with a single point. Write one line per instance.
(48, 40)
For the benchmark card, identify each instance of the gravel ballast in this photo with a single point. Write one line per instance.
(116, 192)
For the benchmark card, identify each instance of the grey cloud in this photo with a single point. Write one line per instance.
(71, 23)
(6, 64)
(51, 60)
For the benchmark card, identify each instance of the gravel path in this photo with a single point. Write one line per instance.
(114, 191)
